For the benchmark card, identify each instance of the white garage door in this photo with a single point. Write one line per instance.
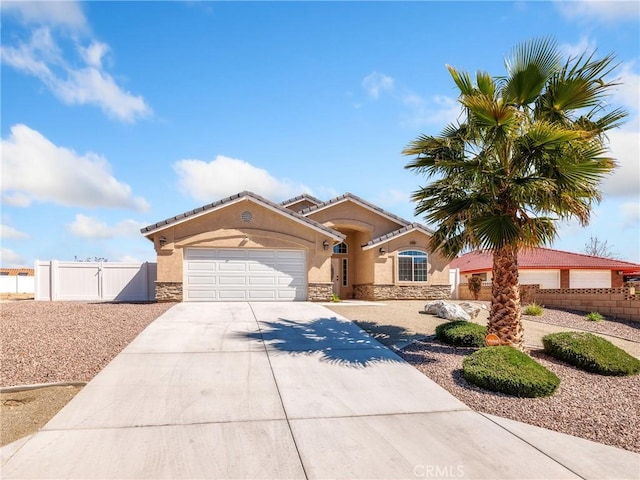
(244, 275)
(544, 278)
(589, 278)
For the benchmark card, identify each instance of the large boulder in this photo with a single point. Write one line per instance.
(446, 310)
(472, 310)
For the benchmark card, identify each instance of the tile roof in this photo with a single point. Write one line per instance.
(542, 258)
(304, 196)
(396, 233)
(13, 272)
(232, 199)
(356, 199)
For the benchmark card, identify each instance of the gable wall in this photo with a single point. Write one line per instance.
(224, 228)
(353, 215)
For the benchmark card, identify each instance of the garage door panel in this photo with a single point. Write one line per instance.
(226, 281)
(201, 266)
(589, 278)
(261, 281)
(201, 280)
(544, 278)
(232, 295)
(232, 267)
(206, 295)
(244, 275)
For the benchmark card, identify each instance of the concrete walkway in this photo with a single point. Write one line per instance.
(286, 390)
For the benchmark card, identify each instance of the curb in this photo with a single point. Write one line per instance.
(24, 388)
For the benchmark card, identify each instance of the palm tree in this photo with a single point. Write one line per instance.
(530, 149)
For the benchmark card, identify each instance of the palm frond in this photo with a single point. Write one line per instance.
(528, 69)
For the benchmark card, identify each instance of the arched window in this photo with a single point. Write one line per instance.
(412, 266)
(340, 248)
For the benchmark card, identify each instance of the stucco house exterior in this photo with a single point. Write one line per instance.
(551, 269)
(247, 248)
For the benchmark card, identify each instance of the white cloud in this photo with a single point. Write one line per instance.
(11, 259)
(224, 176)
(628, 92)
(600, 11)
(88, 227)
(375, 82)
(630, 212)
(34, 169)
(625, 148)
(438, 110)
(10, 232)
(574, 50)
(93, 54)
(55, 13)
(86, 84)
(391, 197)
(129, 259)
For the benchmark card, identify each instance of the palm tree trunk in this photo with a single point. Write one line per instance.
(505, 319)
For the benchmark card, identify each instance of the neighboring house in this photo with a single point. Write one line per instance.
(16, 280)
(551, 268)
(16, 272)
(246, 247)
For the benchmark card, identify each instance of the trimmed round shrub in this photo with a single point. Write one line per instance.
(461, 333)
(591, 353)
(507, 370)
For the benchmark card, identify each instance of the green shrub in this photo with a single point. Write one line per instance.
(533, 309)
(595, 316)
(591, 353)
(461, 333)
(507, 370)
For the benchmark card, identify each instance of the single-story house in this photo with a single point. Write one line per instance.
(245, 247)
(17, 272)
(551, 268)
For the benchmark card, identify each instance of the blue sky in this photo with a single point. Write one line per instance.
(116, 115)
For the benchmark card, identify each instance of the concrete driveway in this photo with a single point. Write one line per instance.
(285, 390)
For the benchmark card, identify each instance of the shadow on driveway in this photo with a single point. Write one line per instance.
(336, 341)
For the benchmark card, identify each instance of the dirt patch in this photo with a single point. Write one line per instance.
(25, 412)
(16, 296)
(46, 342)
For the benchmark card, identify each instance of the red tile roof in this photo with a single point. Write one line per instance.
(541, 258)
(13, 272)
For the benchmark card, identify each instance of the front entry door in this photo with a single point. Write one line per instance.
(335, 275)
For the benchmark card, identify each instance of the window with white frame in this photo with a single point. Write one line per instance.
(412, 266)
(340, 248)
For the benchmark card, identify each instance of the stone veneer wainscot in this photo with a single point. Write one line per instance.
(168, 291)
(402, 292)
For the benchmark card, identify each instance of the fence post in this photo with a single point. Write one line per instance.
(53, 280)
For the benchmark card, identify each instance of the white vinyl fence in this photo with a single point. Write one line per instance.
(16, 284)
(95, 281)
(454, 281)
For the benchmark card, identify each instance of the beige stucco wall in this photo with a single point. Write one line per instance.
(386, 271)
(351, 215)
(225, 228)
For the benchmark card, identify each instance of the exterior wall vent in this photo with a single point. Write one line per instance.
(246, 216)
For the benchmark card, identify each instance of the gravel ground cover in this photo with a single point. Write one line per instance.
(595, 407)
(45, 342)
(617, 327)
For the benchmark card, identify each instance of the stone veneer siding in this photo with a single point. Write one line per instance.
(401, 292)
(319, 292)
(168, 291)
